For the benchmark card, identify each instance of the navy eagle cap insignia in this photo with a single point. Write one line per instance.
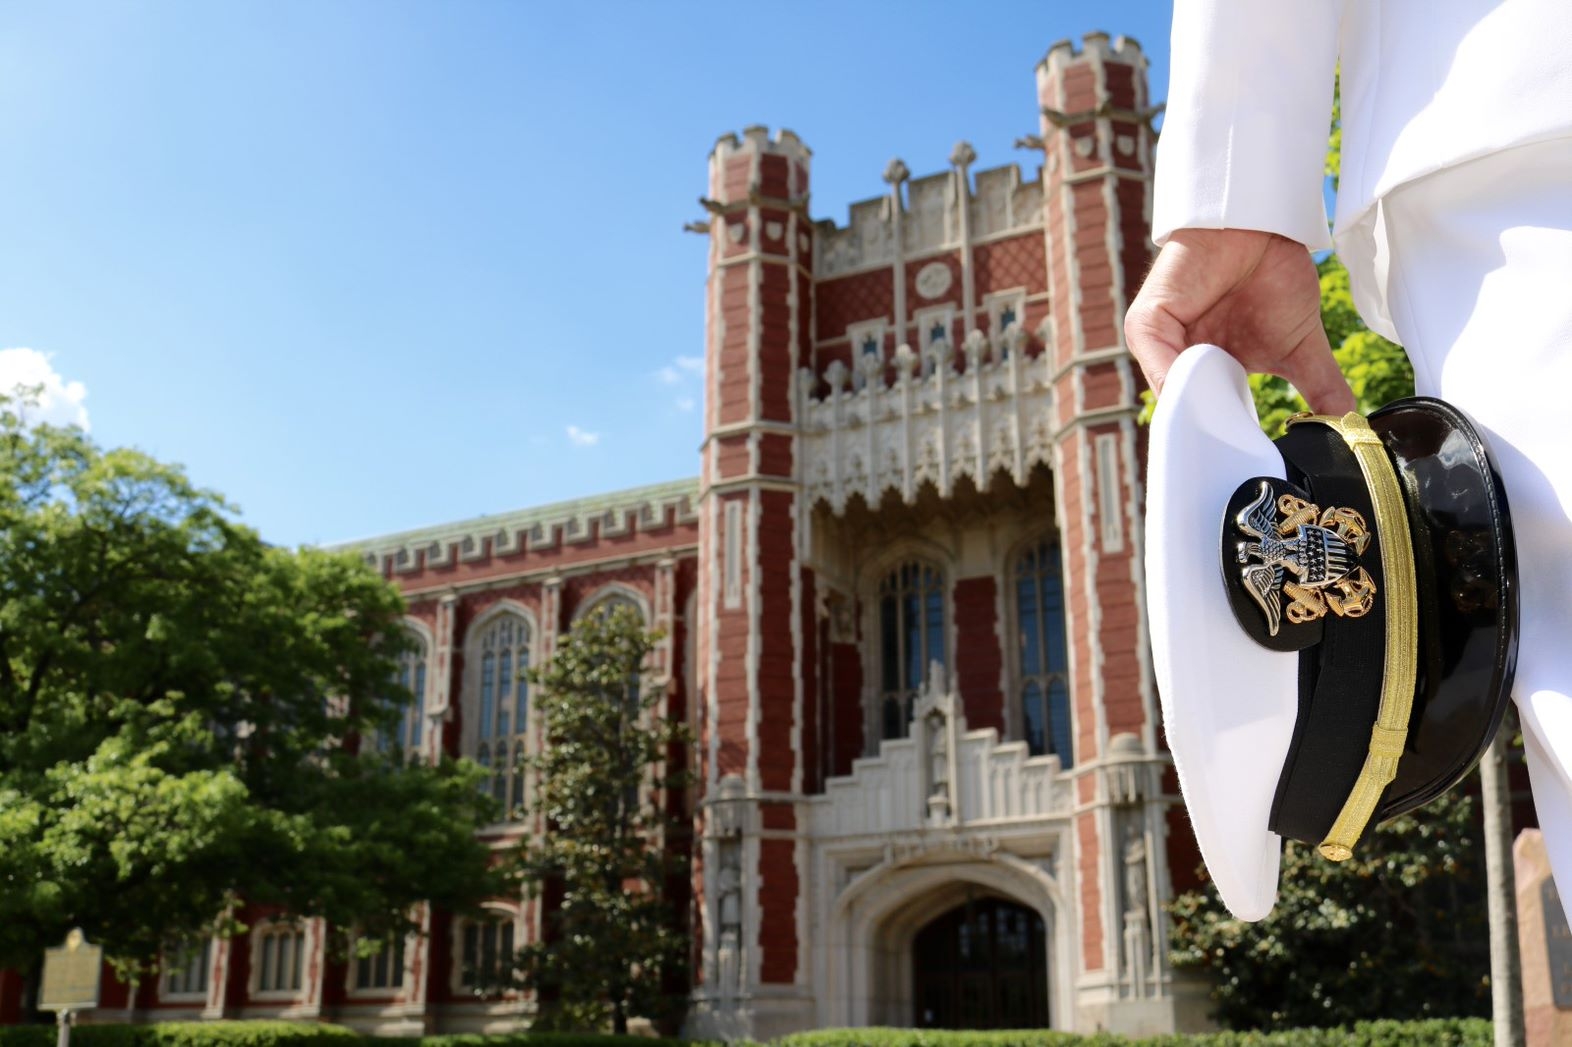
(1305, 555)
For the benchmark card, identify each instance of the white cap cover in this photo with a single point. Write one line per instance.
(1229, 704)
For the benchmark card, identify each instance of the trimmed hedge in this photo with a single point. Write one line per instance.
(542, 1039)
(187, 1034)
(1440, 1032)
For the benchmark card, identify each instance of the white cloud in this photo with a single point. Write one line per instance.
(686, 403)
(579, 438)
(680, 368)
(59, 402)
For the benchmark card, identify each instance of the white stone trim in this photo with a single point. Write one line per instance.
(924, 320)
(1110, 507)
(857, 336)
(613, 591)
(731, 554)
(540, 529)
(995, 417)
(994, 304)
(309, 931)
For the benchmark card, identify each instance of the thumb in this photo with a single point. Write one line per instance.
(1312, 369)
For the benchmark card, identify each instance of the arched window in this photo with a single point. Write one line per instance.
(383, 969)
(1043, 666)
(278, 954)
(485, 953)
(411, 676)
(502, 707)
(911, 638)
(631, 694)
(184, 965)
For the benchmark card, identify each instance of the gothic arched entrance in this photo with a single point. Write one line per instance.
(982, 965)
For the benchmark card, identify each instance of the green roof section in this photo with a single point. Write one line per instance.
(594, 506)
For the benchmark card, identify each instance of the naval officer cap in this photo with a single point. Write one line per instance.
(1333, 616)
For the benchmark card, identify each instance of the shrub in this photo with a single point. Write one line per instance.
(187, 1034)
(1439, 1032)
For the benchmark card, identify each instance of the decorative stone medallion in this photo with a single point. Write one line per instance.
(934, 279)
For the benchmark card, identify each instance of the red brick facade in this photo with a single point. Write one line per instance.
(938, 386)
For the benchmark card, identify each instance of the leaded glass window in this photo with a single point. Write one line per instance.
(280, 959)
(911, 639)
(185, 968)
(411, 676)
(383, 969)
(1042, 649)
(503, 709)
(487, 954)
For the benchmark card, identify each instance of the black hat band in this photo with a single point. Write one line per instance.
(1401, 662)
(1305, 567)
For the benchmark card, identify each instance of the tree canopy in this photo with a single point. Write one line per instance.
(179, 703)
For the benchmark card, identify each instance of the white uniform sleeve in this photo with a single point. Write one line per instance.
(1243, 141)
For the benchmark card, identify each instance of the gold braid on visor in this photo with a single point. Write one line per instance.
(1390, 732)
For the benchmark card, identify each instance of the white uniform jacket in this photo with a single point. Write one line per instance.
(1425, 84)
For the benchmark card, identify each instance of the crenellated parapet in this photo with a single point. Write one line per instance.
(1002, 203)
(542, 529)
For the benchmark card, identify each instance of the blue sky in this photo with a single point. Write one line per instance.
(367, 266)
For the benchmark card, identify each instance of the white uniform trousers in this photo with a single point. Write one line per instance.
(1480, 289)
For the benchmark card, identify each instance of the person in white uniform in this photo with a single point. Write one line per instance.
(1454, 218)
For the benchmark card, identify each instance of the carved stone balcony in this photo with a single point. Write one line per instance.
(934, 424)
(942, 776)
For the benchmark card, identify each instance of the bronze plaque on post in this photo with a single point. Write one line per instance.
(71, 975)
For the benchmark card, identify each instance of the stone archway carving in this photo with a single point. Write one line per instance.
(877, 917)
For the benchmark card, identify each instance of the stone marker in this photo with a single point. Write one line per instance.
(1545, 941)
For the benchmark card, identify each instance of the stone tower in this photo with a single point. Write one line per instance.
(1096, 198)
(753, 589)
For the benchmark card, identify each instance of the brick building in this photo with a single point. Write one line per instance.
(903, 607)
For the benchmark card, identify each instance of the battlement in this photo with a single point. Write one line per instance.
(756, 139)
(1124, 49)
(1001, 202)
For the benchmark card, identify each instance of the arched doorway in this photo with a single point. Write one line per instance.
(982, 965)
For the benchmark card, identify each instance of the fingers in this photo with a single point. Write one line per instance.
(1155, 338)
(1195, 270)
(1312, 369)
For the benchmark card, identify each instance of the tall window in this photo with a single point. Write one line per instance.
(911, 637)
(1043, 650)
(503, 708)
(384, 969)
(280, 957)
(411, 676)
(487, 953)
(185, 968)
(632, 691)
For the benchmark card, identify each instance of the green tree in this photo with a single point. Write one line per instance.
(614, 942)
(175, 701)
(1397, 931)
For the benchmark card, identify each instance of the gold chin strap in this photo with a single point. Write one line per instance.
(1390, 732)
